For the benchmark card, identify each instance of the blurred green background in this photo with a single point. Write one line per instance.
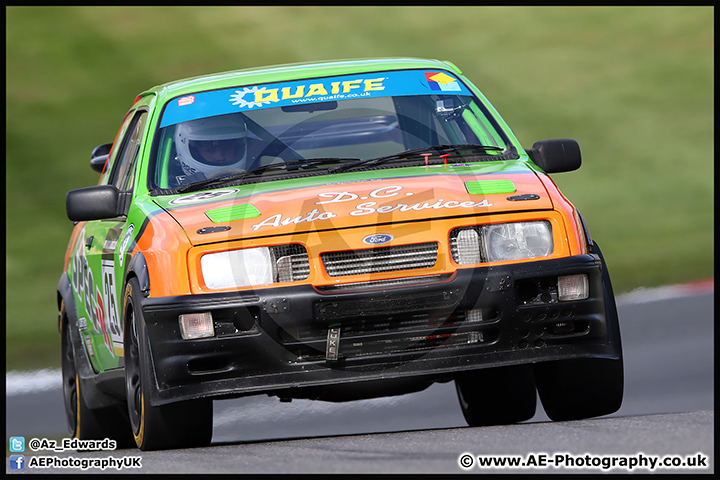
(633, 85)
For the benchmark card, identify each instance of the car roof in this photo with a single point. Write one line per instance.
(292, 71)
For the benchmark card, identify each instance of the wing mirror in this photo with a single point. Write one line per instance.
(553, 156)
(95, 203)
(99, 156)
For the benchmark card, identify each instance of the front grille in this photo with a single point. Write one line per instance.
(378, 260)
(457, 246)
(377, 325)
(383, 335)
(397, 282)
(292, 262)
(386, 304)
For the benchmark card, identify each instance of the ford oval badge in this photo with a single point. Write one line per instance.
(378, 239)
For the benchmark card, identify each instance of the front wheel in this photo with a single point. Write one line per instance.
(497, 396)
(577, 389)
(86, 423)
(175, 425)
(588, 387)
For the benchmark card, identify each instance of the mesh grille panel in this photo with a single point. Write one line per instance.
(457, 245)
(292, 262)
(377, 260)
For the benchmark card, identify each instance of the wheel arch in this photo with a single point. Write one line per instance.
(586, 230)
(138, 269)
(66, 309)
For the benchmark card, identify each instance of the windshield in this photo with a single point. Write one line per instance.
(323, 123)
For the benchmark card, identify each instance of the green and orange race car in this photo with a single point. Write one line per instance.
(331, 231)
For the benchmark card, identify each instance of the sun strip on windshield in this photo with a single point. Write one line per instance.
(346, 87)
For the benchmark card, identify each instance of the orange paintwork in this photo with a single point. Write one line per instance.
(573, 225)
(371, 198)
(174, 264)
(164, 246)
(73, 237)
(403, 233)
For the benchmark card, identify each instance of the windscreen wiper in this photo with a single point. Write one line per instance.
(211, 182)
(303, 163)
(294, 165)
(418, 151)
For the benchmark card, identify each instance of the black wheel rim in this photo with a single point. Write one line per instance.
(132, 373)
(69, 381)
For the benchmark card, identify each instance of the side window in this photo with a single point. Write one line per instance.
(117, 142)
(122, 175)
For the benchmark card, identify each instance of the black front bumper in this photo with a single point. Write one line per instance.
(275, 341)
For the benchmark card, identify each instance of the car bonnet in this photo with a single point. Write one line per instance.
(337, 202)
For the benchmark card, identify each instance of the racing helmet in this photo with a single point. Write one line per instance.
(208, 144)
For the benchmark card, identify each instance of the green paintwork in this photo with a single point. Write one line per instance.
(489, 187)
(232, 213)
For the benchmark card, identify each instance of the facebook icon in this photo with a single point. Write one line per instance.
(17, 462)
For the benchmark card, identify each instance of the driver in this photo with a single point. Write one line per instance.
(210, 145)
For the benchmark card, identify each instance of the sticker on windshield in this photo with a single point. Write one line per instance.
(347, 87)
(442, 81)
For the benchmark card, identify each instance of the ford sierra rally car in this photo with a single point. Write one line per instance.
(330, 231)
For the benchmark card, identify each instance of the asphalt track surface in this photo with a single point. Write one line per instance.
(667, 415)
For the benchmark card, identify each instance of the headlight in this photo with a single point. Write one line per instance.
(237, 268)
(502, 242)
(254, 266)
(513, 241)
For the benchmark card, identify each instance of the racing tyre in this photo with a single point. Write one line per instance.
(497, 396)
(83, 422)
(176, 425)
(590, 387)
